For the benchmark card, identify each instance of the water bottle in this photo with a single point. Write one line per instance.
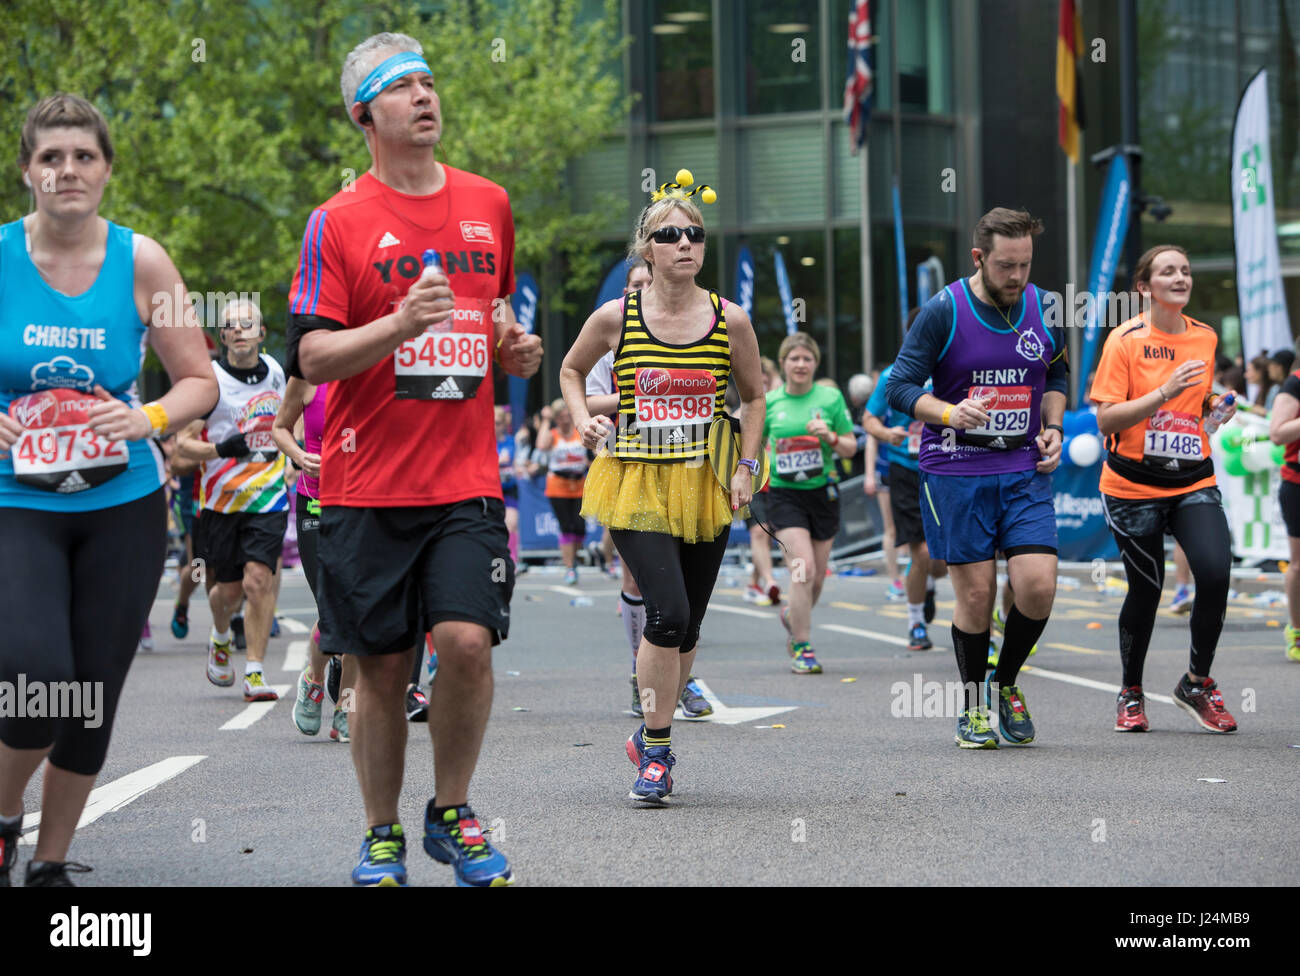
(580, 601)
(432, 265)
(1219, 413)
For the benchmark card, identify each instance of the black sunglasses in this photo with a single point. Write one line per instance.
(671, 235)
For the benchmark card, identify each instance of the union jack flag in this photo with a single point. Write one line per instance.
(859, 86)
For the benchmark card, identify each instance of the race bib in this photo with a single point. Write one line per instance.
(914, 438)
(57, 450)
(569, 458)
(798, 458)
(1172, 440)
(447, 361)
(673, 397)
(1008, 423)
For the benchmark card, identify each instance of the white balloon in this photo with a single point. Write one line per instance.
(1085, 450)
(1257, 456)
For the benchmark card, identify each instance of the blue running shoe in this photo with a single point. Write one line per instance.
(181, 621)
(1013, 712)
(458, 840)
(636, 752)
(275, 626)
(383, 859)
(654, 779)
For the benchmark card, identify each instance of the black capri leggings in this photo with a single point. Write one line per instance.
(676, 581)
(1197, 522)
(568, 512)
(74, 604)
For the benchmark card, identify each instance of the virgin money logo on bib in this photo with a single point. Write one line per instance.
(657, 381)
(1030, 346)
(983, 392)
(35, 410)
(652, 382)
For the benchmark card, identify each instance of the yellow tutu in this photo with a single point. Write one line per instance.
(681, 498)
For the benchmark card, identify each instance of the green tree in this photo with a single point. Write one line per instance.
(229, 126)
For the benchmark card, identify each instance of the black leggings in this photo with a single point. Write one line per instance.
(1197, 522)
(568, 512)
(75, 598)
(676, 581)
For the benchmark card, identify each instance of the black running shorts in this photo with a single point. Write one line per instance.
(905, 503)
(387, 575)
(231, 539)
(814, 509)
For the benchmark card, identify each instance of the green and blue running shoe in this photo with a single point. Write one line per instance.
(805, 661)
(694, 704)
(181, 621)
(1292, 643)
(383, 859)
(636, 700)
(974, 731)
(306, 709)
(458, 840)
(339, 728)
(1013, 713)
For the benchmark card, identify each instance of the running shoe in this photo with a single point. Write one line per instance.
(339, 728)
(805, 661)
(993, 653)
(999, 619)
(1205, 704)
(654, 780)
(757, 597)
(596, 556)
(694, 704)
(181, 621)
(146, 638)
(237, 625)
(306, 708)
(974, 731)
(773, 593)
(256, 689)
(1292, 643)
(571, 577)
(1183, 599)
(919, 639)
(220, 671)
(275, 626)
(417, 705)
(1130, 710)
(458, 840)
(1013, 713)
(896, 591)
(52, 874)
(930, 608)
(383, 859)
(9, 835)
(333, 677)
(636, 699)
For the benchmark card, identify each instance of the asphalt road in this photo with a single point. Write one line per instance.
(817, 780)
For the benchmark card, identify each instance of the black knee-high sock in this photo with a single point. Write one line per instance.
(972, 652)
(1020, 635)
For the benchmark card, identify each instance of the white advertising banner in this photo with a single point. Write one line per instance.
(1261, 302)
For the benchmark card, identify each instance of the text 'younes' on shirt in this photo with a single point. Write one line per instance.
(416, 428)
(973, 350)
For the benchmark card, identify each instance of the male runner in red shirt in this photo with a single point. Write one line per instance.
(412, 533)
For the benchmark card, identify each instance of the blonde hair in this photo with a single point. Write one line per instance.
(795, 340)
(654, 215)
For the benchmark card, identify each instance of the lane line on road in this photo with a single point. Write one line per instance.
(727, 715)
(117, 794)
(294, 626)
(255, 710)
(1078, 650)
(858, 632)
(1074, 679)
(745, 611)
(295, 658)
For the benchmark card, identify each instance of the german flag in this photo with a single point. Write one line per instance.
(1069, 54)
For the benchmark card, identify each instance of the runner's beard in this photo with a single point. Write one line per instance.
(997, 293)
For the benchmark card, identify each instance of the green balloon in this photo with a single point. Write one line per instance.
(1232, 463)
(1232, 437)
(1279, 454)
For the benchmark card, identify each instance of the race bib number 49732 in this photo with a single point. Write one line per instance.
(57, 450)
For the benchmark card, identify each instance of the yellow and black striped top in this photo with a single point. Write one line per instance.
(669, 393)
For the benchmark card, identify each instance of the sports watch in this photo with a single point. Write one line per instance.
(752, 464)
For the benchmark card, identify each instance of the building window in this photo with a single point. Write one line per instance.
(681, 41)
(782, 57)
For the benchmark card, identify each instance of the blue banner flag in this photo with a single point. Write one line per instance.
(1112, 228)
(744, 293)
(903, 307)
(787, 299)
(524, 302)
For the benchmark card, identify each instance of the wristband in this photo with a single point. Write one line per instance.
(752, 464)
(157, 416)
(1056, 427)
(946, 414)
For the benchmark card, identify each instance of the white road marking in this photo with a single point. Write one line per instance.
(858, 632)
(725, 715)
(255, 710)
(575, 591)
(294, 626)
(117, 794)
(1074, 679)
(295, 658)
(746, 612)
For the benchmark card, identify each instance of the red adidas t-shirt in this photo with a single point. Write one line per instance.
(416, 428)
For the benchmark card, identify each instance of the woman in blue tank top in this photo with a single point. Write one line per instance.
(82, 510)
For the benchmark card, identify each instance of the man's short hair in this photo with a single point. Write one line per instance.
(1005, 223)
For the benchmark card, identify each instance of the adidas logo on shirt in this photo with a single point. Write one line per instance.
(388, 240)
(73, 482)
(448, 390)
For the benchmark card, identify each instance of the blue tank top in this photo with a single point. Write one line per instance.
(54, 349)
(989, 358)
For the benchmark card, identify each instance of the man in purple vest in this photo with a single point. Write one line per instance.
(992, 438)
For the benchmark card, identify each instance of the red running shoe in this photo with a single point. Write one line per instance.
(1131, 710)
(1205, 704)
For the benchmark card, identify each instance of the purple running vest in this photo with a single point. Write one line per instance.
(313, 426)
(985, 356)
